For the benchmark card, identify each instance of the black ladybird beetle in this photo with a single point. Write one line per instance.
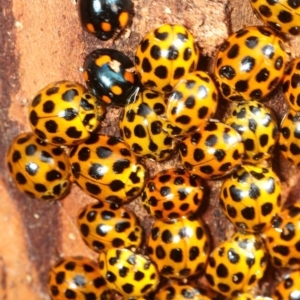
(282, 15)
(109, 75)
(77, 278)
(105, 18)
(63, 113)
(38, 169)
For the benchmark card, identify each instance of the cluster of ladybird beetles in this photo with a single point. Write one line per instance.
(167, 105)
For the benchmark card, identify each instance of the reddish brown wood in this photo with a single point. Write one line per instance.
(41, 42)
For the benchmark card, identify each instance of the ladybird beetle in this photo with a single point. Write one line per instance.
(215, 150)
(179, 249)
(236, 265)
(282, 15)
(109, 75)
(141, 126)
(164, 56)
(105, 169)
(288, 288)
(130, 274)
(248, 296)
(40, 170)
(291, 85)
(77, 278)
(250, 64)
(105, 225)
(105, 18)
(257, 125)
(62, 113)
(172, 194)
(181, 291)
(289, 137)
(283, 238)
(251, 197)
(193, 100)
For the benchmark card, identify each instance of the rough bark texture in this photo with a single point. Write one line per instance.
(41, 41)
